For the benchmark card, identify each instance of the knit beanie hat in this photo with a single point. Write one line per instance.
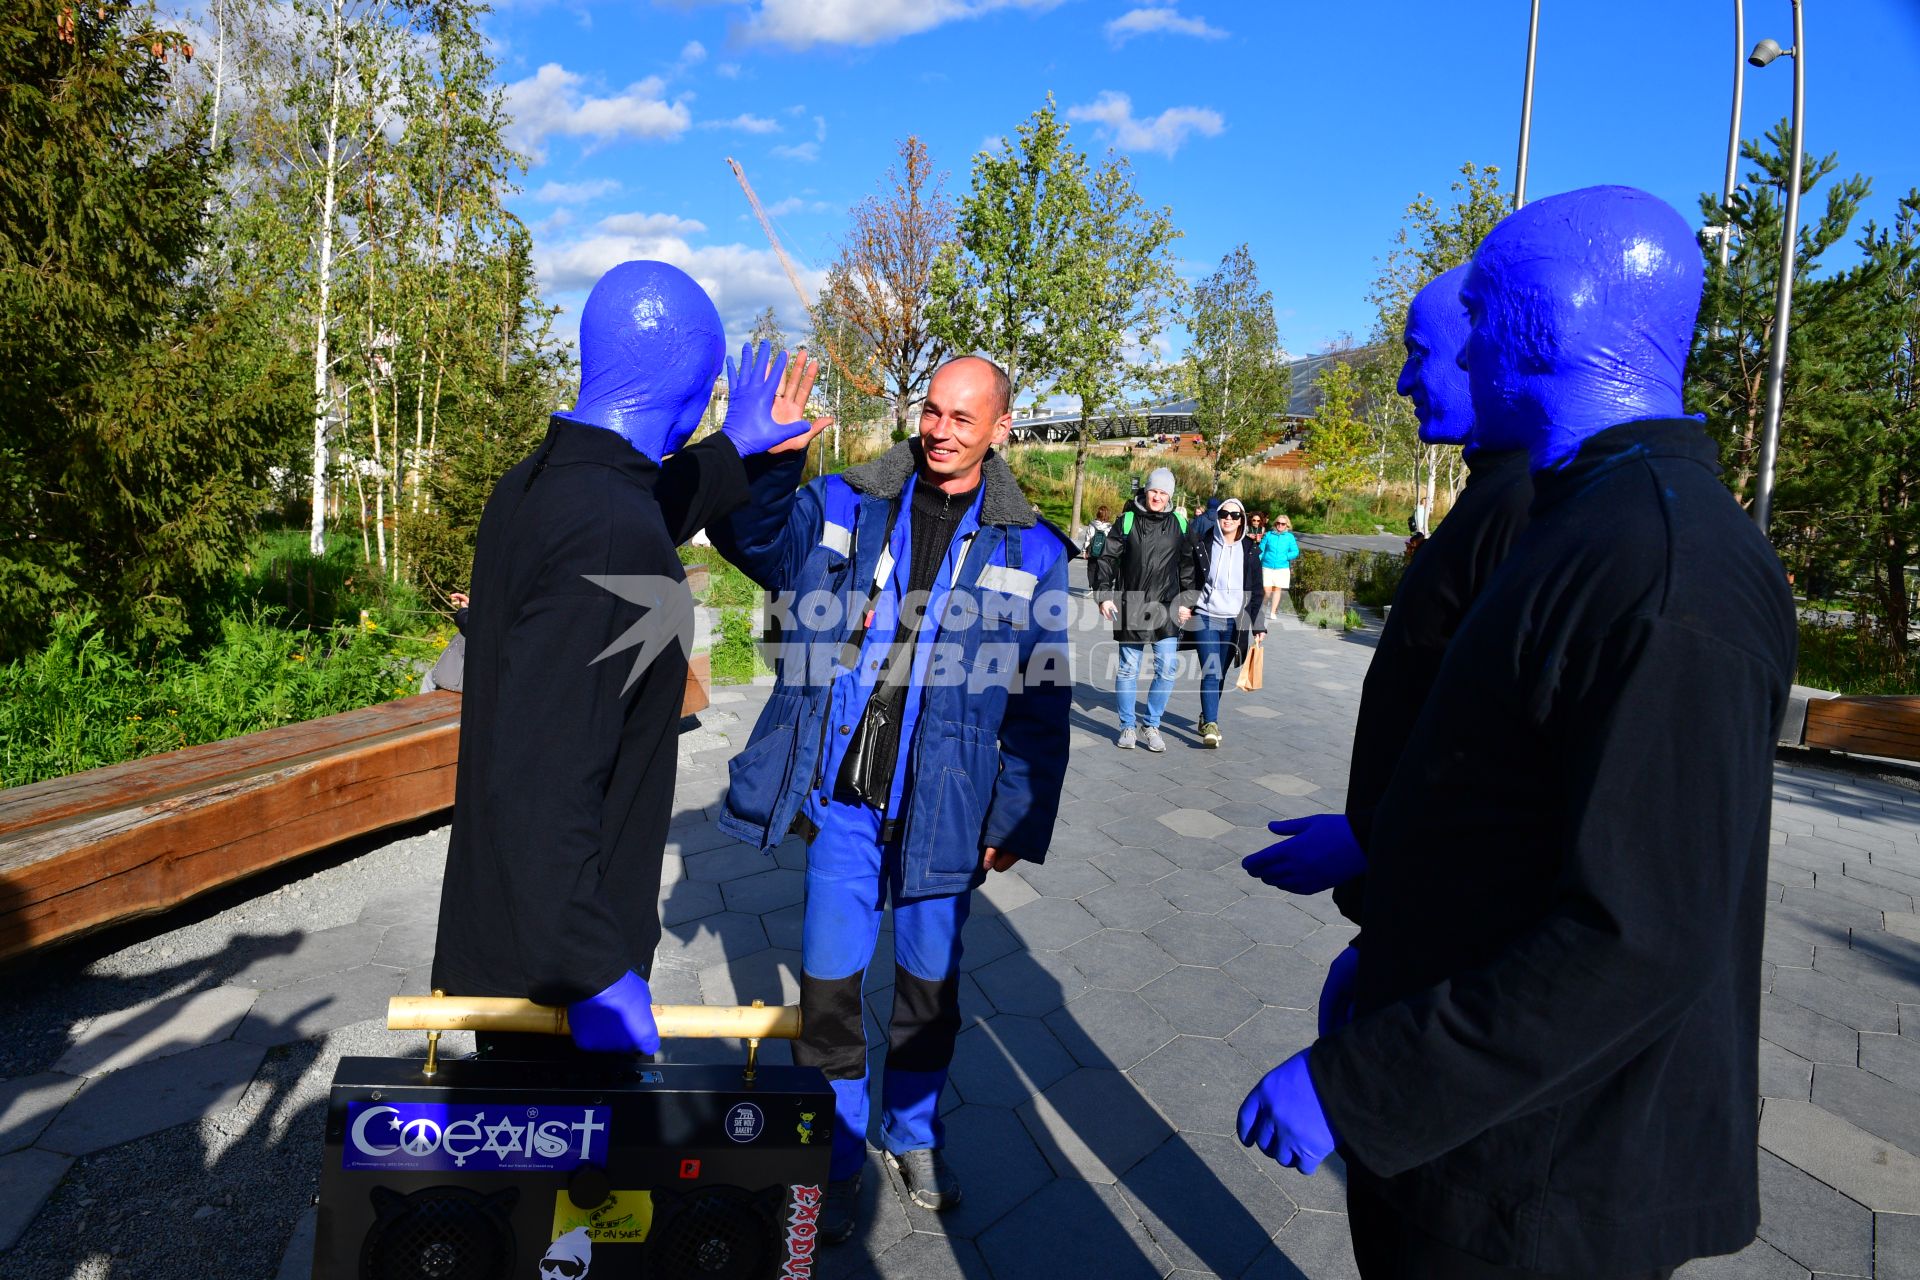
(1161, 479)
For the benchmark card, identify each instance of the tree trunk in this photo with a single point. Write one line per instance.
(1080, 468)
(336, 41)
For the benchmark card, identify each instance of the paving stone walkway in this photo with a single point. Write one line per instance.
(160, 1105)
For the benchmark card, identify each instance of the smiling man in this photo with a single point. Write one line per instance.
(917, 735)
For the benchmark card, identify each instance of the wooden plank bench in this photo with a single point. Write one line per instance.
(1866, 726)
(93, 849)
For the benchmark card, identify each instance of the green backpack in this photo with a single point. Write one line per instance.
(1098, 546)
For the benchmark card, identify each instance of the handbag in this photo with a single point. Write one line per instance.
(1253, 670)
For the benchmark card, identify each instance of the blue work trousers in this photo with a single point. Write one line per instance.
(851, 877)
(1126, 681)
(1213, 637)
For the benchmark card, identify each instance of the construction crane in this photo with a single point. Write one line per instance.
(854, 372)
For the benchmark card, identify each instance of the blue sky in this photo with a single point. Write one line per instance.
(1303, 130)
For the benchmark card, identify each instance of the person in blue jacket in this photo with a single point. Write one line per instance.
(917, 734)
(1278, 550)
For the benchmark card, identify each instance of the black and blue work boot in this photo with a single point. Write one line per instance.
(931, 1181)
(840, 1212)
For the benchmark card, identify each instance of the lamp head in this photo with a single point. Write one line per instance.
(1764, 52)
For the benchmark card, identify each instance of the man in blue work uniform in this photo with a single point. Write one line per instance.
(918, 733)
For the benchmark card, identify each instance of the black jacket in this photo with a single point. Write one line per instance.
(1556, 1055)
(1147, 571)
(565, 781)
(1253, 609)
(1440, 584)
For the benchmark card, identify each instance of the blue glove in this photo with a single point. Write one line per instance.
(751, 388)
(1282, 1117)
(618, 1020)
(1321, 854)
(1336, 995)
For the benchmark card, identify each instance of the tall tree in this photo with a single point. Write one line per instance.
(1236, 371)
(882, 281)
(1120, 289)
(1002, 288)
(141, 400)
(766, 328)
(830, 337)
(1338, 442)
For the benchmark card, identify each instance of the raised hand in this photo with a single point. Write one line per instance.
(1321, 854)
(1283, 1117)
(753, 386)
(790, 405)
(618, 1020)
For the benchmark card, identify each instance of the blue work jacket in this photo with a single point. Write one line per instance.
(983, 746)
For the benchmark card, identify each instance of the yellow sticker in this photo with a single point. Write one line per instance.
(624, 1218)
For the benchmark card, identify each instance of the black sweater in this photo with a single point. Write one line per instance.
(1440, 584)
(1556, 1055)
(565, 783)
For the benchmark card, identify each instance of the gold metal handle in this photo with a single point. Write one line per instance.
(676, 1021)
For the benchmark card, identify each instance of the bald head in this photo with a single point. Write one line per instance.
(966, 413)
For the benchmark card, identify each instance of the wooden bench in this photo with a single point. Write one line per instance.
(1865, 726)
(92, 849)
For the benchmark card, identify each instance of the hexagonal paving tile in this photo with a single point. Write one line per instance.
(1109, 1029)
(1073, 1230)
(1196, 939)
(1032, 983)
(1207, 1206)
(1069, 878)
(1006, 1060)
(764, 891)
(1278, 976)
(1287, 784)
(1130, 864)
(1051, 923)
(1094, 1124)
(1200, 1001)
(1194, 822)
(1198, 891)
(725, 935)
(1117, 960)
(1127, 906)
(1198, 1082)
(769, 975)
(1265, 915)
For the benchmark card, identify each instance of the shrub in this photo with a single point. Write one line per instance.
(735, 658)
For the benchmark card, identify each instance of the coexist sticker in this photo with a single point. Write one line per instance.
(444, 1135)
(744, 1122)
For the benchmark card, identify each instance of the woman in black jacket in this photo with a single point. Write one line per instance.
(1227, 615)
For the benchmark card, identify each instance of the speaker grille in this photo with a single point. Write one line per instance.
(440, 1233)
(718, 1233)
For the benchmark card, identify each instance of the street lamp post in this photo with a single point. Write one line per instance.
(1763, 53)
(1526, 111)
(1733, 130)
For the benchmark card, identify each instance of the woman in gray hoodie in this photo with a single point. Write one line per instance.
(1228, 616)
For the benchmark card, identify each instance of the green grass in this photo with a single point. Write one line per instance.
(1847, 660)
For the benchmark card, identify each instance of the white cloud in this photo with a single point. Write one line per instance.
(551, 101)
(745, 123)
(801, 24)
(727, 70)
(575, 192)
(1165, 133)
(796, 204)
(692, 52)
(1160, 21)
(651, 224)
(806, 152)
(820, 128)
(742, 280)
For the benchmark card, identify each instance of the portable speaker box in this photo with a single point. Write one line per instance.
(492, 1170)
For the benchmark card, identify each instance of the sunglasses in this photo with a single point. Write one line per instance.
(1228, 515)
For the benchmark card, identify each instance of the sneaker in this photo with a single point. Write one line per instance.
(1127, 738)
(1153, 741)
(840, 1213)
(1210, 734)
(930, 1180)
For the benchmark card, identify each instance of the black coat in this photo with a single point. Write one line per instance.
(1440, 585)
(1147, 571)
(1555, 1060)
(1253, 609)
(565, 781)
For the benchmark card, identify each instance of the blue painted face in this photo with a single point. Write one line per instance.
(1432, 377)
(651, 344)
(1582, 308)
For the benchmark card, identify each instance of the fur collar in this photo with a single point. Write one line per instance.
(1001, 504)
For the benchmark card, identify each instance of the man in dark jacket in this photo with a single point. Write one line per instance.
(575, 668)
(1554, 1062)
(1140, 580)
(918, 734)
(1328, 850)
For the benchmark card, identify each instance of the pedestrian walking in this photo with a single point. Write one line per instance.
(1228, 616)
(1278, 550)
(1143, 573)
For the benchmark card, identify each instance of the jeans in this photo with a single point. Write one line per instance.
(851, 876)
(1214, 638)
(1126, 682)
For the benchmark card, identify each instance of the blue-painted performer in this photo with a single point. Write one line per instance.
(917, 734)
(1328, 850)
(1553, 1063)
(567, 736)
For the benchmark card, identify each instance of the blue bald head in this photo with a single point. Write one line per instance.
(651, 344)
(1582, 308)
(1432, 377)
